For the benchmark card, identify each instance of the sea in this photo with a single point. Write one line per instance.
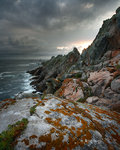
(14, 77)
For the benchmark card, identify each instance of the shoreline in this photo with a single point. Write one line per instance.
(79, 108)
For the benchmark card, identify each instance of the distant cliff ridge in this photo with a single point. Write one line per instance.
(108, 38)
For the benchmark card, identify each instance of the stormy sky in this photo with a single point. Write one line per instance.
(38, 28)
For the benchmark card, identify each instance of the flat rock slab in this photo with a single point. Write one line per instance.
(64, 124)
(12, 111)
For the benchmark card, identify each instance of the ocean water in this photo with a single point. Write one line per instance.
(13, 76)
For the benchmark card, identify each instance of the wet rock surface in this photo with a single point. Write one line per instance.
(63, 124)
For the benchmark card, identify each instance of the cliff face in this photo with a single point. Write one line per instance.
(92, 77)
(67, 120)
(53, 68)
(108, 38)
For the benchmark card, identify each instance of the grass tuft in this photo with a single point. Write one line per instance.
(82, 100)
(8, 137)
(32, 110)
(117, 66)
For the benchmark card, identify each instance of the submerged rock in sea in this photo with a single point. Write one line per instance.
(55, 123)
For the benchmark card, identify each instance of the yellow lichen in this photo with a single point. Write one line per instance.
(26, 141)
(47, 112)
(32, 137)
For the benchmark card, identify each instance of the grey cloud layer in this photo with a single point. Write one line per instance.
(30, 25)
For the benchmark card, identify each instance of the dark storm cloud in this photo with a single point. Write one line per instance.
(30, 25)
(51, 13)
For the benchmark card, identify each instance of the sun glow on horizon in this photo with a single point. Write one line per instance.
(80, 45)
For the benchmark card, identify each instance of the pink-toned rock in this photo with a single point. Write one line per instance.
(100, 101)
(71, 89)
(115, 52)
(99, 81)
(92, 99)
(104, 102)
(115, 60)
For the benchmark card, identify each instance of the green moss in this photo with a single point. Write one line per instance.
(88, 92)
(33, 109)
(76, 89)
(82, 100)
(43, 96)
(117, 66)
(8, 137)
(78, 75)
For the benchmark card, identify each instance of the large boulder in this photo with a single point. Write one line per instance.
(115, 85)
(99, 81)
(71, 89)
(92, 100)
(108, 93)
(99, 101)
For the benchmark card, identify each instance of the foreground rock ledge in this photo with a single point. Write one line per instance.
(62, 124)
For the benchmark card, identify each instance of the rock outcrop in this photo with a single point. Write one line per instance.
(83, 113)
(54, 123)
(71, 89)
(55, 67)
(96, 72)
(108, 38)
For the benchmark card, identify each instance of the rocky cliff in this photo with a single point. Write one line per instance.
(52, 69)
(93, 76)
(108, 38)
(80, 104)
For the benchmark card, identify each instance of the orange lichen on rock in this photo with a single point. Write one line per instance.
(33, 147)
(5, 103)
(39, 101)
(49, 120)
(115, 53)
(71, 89)
(78, 118)
(26, 141)
(116, 135)
(112, 115)
(116, 73)
(47, 112)
(32, 137)
(45, 99)
(63, 111)
(35, 98)
(73, 126)
(56, 143)
(111, 70)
